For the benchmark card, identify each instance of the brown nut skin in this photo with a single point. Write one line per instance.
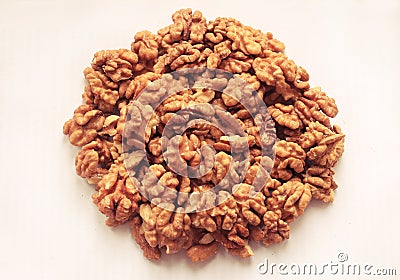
(165, 228)
(117, 196)
(285, 115)
(325, 146)
(187, 25)
(145, 45)
(148, 251)
(276, 230)
(320, 181)
(84, 125)
(198, 253)
(327, 104)
(94, 160)
(116, 64)
(288, 154)
(290, 199)
(100, 92)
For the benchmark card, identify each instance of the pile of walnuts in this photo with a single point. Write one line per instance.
(306, 150)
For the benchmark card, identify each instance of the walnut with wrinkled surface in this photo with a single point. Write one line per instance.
(321, 183)
(116, 64)
(85, 124)
(285, 115)
(166, 228)
(289, 158)
(276, 229)
(145, 45)
(100, 92)
(94, 160)
(117, 196)
(325, 145)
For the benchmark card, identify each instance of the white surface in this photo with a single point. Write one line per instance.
(50, 229)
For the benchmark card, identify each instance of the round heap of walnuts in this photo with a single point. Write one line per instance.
(307, 147)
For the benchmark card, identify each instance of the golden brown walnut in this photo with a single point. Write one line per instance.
(155, 146)
(157, 182)
(148, 251)
(272, 44)
(232, 231)
(186, 26)
(325, 103)
(103, 96)
(109, 126)
(298, 198)
(325, 145)
(210, 219)
(222, 238)
(234, 90)
(178, 30)
(123, 112)
(94, 160)
(315, 106)
(252, 171)
(221, 51)
(202, 95)
(203, 220)
(84, 125)
(116, 64)
(177, 56)
(174, 103)
(321, 183)
(139, 83)
(313, 135)
(99, 84)
(276, 230)
(285, 115)
(145, 45)
(117, 196)
(251, 204)
(163, 227)
(301, 79)
(289, 158)
(238, 235)
(198, 27)
(242, 38)
(188, 149)
(250, 80)
(221, 166)
(236, 63)
(266, 70)
(308, 111)
(276, 70)
(217, 29)
(233, 216)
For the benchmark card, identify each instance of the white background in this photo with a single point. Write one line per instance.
(50, 229)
